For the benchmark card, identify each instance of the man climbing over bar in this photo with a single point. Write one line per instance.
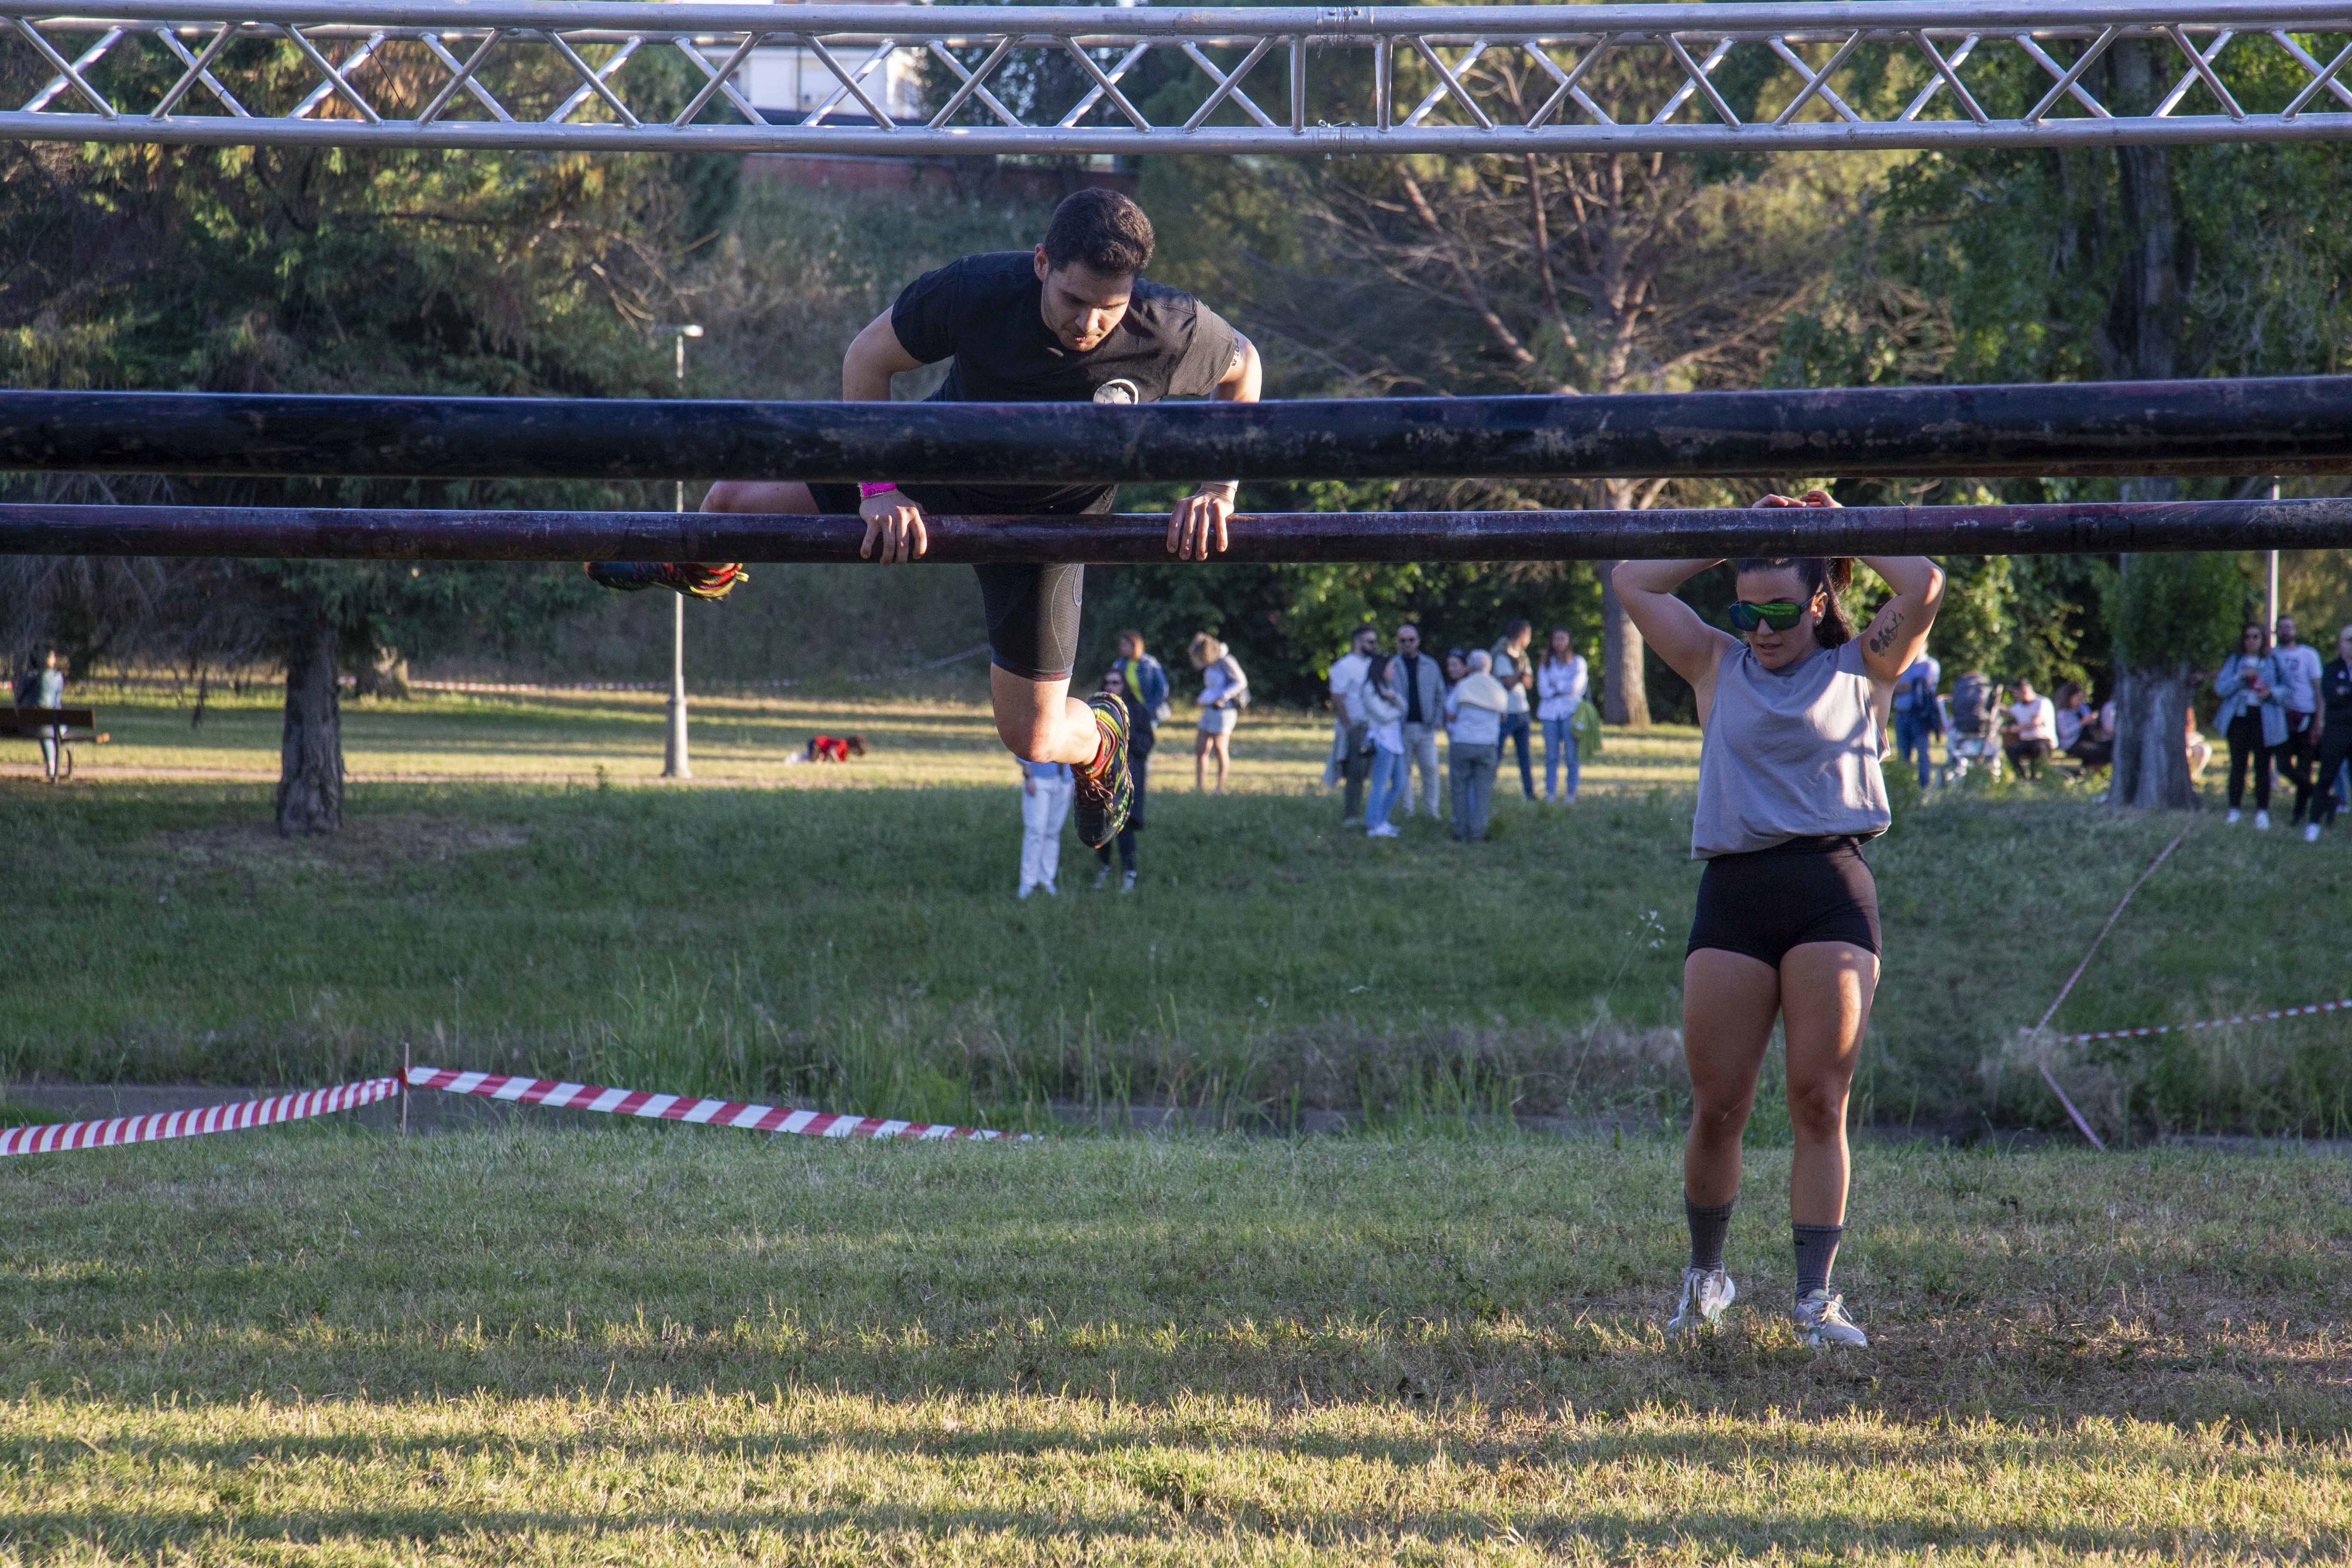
(1073, 322)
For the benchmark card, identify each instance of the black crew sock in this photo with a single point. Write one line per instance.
(1817, 1247)
(1708, 1226)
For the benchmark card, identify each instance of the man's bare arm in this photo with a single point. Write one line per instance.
(892, 520)
(874, 357)
(1198, 527)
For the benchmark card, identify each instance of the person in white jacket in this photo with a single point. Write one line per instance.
(1474, 717)
(1383, 709)
(1562, 682)
(1044, 805)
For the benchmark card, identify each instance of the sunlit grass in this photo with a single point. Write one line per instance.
(305, 1345)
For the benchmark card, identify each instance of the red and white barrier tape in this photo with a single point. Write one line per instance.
(2344, 1006)
(234, 1118)
(672, 1108)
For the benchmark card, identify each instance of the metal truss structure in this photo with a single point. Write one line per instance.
(574, 75)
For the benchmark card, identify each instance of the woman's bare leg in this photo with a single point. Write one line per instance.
(1224, 759)
(1826, 988)
(1729, 1003)
(1200, 759)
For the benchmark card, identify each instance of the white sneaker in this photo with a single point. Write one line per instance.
(2263, 821)
(2233, 816)
(1127, 882)
(1822, 1321)
(1383, 830)
(1051, 891)
(1102, 879)
(2311, 833)
(1023, 892)
(1706, 1292)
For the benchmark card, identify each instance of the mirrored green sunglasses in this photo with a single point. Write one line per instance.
(1780, 614)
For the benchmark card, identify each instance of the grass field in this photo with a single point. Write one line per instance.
(846, 936)
(309, 1346)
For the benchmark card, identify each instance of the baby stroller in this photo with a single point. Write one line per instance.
(1971, 741)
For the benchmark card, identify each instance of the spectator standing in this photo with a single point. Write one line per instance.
(1351, 736)
(1457, 667)
(2332, 731)
(1514, 673)
(1562, 682)
(2252, 718)
(2298, 667)
(2032, 732)
(1423, 686)
(1918, 718)
(49, 691)
(1384, 715)
(1044, 805)
(1475, 712)
(1223, 691)
(1139, 765)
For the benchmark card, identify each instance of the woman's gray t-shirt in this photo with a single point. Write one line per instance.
(1791, 753)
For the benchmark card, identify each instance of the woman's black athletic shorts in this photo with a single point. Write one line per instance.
(1032, 610)
(1807, 889)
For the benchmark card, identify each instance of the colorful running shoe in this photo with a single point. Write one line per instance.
(1706, 1292)
(695, 578)
(1106, 790)
(1820, 1321)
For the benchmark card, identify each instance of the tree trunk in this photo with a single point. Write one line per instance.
(1625, 690)
(310, 765)
(386, 675)
(2151, 766)
(2143, 343)
(1625, 694)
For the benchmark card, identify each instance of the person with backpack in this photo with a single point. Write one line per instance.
(1918, 718)
(1224, 692)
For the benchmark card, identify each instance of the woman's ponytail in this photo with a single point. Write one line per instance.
(1829, 576)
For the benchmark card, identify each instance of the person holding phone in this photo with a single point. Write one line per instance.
(2252, 718)
(1792, 708)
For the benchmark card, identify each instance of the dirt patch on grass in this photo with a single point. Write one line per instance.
(366, 845)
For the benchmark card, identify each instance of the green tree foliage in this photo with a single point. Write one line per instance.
(2031, 264)
(325, 270)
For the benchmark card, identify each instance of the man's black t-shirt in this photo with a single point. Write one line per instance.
(987, 315)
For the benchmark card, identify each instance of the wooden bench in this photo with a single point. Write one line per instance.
(69, 727)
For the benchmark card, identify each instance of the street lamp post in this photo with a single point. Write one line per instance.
(674, 759)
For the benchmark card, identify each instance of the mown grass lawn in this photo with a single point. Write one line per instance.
(644, 1347)
(857, 946)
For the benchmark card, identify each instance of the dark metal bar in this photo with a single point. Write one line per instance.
(323, 534)
(2283, 424)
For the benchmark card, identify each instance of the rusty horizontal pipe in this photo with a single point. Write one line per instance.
(375, 535)
(2281, 425)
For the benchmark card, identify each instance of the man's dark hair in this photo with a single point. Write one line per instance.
(1516, 627)
(1360, 631)
(1102, 231)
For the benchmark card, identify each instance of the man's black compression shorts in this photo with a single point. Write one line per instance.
(1031, 611)
(1764, 903)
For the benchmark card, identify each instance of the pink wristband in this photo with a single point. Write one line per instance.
(868, 490)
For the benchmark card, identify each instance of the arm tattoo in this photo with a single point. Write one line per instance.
(1884, 637)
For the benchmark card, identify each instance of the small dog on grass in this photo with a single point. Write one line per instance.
(834, 748)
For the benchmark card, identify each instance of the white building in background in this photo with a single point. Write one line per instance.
(786, 83)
